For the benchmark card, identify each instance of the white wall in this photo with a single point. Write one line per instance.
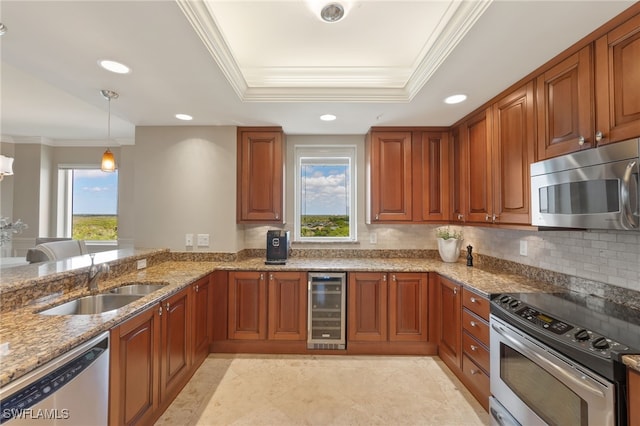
(185, 182)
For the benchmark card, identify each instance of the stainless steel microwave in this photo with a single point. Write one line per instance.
(592, 189)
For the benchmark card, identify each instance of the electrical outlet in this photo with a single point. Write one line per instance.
(142, 263)
(523, 247)
(373, 238)
(203, 240)
(188, 240)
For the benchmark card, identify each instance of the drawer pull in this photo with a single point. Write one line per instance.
(473, 300)
(473, 371)
(473, 323)
(474, 348)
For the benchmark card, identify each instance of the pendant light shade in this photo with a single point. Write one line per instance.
(108, 163)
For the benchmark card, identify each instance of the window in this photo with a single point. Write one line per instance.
(325, 193)
(87, 203)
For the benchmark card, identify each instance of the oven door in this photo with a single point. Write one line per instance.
(538, 386)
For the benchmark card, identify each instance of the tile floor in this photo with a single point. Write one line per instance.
(323, 390)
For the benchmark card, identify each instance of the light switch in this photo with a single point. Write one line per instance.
(188, 240)
(203, 240)
(523, 247)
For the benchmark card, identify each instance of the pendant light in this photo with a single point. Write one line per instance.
(108, 159)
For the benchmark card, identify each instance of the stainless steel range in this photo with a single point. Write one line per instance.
(556, 359)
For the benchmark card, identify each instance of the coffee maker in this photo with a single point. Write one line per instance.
(277, 247)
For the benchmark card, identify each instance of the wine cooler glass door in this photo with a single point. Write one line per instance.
(326, 310)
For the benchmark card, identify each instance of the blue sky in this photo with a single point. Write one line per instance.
(324, 190)
(95, 192)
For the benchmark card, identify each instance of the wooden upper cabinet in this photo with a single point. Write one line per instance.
(260, 197)
(564, 105)
(434, 190)
(513, 152)
(287, 295)
(390, 179)
(617, 63)
(477, 187)
(457, 175)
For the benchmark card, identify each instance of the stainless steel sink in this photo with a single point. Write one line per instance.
(137, 289)
(95, 304)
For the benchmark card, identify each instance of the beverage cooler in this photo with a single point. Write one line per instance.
(327, 302)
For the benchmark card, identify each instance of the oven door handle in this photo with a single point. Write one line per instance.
(550, 366)
(624, 194)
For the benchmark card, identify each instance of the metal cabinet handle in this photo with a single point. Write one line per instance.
(473, 371)
(599, 136)
(168, 306)
(460, 216)
(271, 277)
(473, 300)
(261, 277)
(197, 288)
(393, 277)
(160, 310)
(581, 140)
(494, 218)
(474, 348)
(455, 290)
(277, 215)
(377, 217)
(384, 277)
(473, 324)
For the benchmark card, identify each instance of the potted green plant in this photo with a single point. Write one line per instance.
(449, 243)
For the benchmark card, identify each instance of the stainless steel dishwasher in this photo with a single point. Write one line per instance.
(72, 389)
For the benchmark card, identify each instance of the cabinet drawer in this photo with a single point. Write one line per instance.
(476, 351)
(477, 304)
(476, 378)
(475, 326)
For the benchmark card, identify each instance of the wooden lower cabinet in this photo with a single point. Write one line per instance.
(247, 305)
(202, 318)
(134, 369)
(287, 310)
(175, 344)
(634, 397)
(463, 337)
(154, 354)
(389, 313)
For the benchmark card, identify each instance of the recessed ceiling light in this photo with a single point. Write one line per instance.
(114, 66)
(184, 117)
(327, 117)
(455, 99)
(332, 12)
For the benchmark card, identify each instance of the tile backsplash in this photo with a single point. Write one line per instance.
(611, 257)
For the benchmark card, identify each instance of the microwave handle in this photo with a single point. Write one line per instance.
(569, 374)
(624, 194)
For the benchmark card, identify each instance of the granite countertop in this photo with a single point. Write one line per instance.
(35, 339)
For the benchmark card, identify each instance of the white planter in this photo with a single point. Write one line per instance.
(449, 249)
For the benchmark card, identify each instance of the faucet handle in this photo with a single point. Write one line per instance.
(92, 255)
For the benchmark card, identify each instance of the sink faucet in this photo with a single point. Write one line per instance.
(95, 271)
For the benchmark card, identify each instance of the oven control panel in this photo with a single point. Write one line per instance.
(570, 334)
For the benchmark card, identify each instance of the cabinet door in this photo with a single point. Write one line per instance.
(367, 310)
(634, 397)
(175, 349)
(565, 106)
(202, 326)
(260, 176)
(450, 330)
(618, 82)
(287, 306)
(390, 180)
(408, 307)
(247, 306)
(476, 141)
(513, 152)
(434, 167)
(458, 175)
(134, 368)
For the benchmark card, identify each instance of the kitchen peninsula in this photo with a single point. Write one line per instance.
(35, 339)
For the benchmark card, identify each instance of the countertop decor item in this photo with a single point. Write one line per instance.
(469, 255)
(449, 243)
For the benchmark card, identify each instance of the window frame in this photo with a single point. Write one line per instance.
(348, 152)
(64, 223)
